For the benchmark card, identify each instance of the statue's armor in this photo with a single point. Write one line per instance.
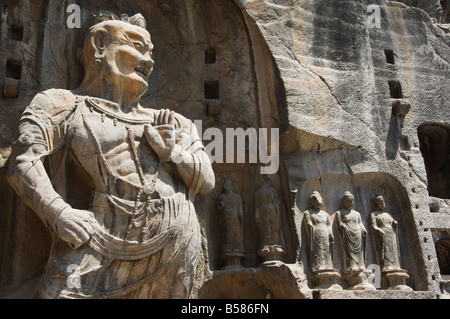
(147, 239)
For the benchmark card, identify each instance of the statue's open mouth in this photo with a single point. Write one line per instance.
(143, 71)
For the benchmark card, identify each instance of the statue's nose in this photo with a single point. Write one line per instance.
(146, 64)
(147, 60)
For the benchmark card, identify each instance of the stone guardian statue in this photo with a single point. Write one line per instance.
(140, 236)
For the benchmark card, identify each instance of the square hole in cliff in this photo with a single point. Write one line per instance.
(13, 69)
(443, 255)
(395, 89)
(17, 31)
(434, 140)
(211, 90)
(404, 143)
(389, 56)
(210, 56)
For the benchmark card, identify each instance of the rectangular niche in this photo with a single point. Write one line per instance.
(389, 56)
(441, 239)
(210, 56)
(10, 88)
(13, 69)
(17, 31)
(434, 143)
(12, 77)
(442, 247)
(211, 90)
(395, 89)
(404, 143)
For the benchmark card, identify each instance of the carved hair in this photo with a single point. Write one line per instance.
(316, 195)
(138, 19)
(378, 200)
(348, 194)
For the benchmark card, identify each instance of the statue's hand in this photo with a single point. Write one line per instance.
(75, 226)
(161, 136)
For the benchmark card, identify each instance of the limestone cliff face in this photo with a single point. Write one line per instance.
(357, 102)
(357, 107)
(335, 72)
(432, 7)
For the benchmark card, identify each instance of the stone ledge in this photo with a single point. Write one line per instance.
(378, 294)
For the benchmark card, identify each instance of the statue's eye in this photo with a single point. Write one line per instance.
(139, 46)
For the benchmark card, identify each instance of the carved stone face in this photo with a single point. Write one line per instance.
(127, 57)
(316, 201)
(347, 201)
(228, 185)
(379, 203)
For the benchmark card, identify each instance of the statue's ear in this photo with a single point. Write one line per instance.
(99, 42)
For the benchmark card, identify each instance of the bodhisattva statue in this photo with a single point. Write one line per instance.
(320, 234)
(140, 237)
(353, 234)
(385, 236)
(268, 220)
(231, 211)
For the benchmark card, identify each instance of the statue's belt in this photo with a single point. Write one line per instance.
(102, 203)
(118, 248)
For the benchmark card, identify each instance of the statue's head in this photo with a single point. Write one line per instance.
(119, 50)
(315, 200)
(228, 185)
(379, 203)
(347, 200)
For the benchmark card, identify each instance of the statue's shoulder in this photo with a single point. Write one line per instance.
(355, 212)
(222, 196)
(53, 100)
(236, 196)
(307, 212)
